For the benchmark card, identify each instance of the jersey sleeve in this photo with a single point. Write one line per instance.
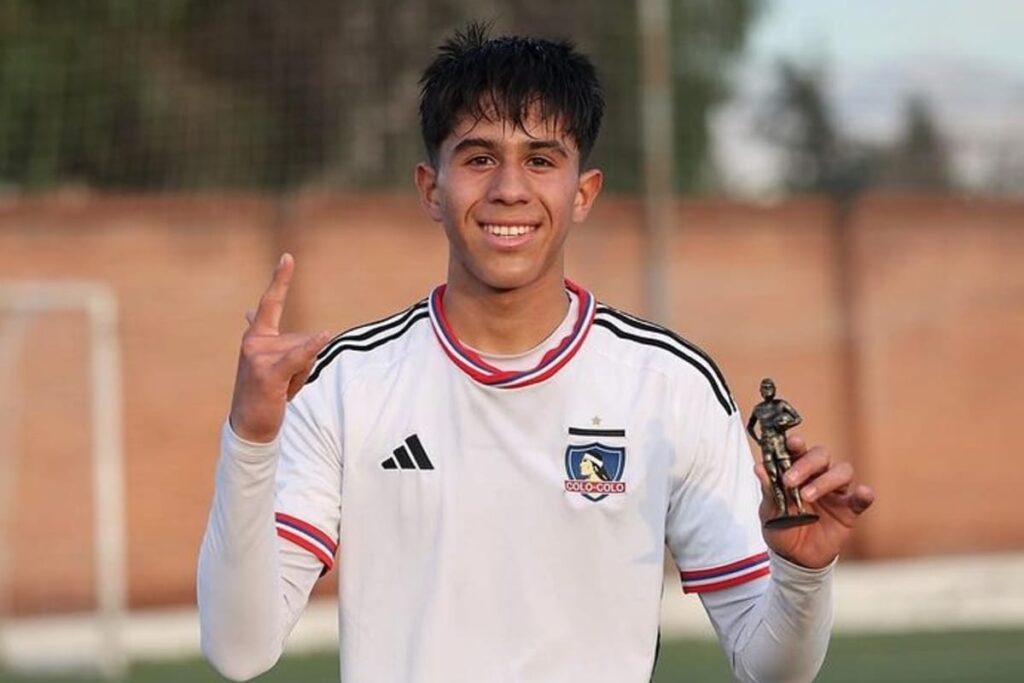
(712, 527)
(308, 487)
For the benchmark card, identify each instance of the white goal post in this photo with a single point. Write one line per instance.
(19, 300)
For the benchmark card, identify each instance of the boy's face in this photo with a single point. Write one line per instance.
(506, 197)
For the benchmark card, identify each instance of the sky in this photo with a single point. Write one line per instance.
(965, 57)
(859, 34)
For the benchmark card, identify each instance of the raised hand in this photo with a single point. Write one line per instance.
(828, 490)
(272, 367)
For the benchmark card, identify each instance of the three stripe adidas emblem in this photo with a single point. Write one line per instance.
(401, 459)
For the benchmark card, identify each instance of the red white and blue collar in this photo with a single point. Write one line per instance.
(470, 362)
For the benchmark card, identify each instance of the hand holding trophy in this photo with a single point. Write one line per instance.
(775, 417)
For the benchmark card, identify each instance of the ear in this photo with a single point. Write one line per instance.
(589, 187)
(426, 185)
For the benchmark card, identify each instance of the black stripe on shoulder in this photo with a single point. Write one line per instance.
(370, 329)
(724, 398)
(342, 343)
(652, 327)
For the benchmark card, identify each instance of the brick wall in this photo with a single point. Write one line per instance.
(927, 391)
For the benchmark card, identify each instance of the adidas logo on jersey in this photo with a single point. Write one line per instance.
(401, 459)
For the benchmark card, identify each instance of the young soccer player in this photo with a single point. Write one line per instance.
(499, 467)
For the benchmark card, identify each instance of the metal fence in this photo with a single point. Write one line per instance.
(165, 95)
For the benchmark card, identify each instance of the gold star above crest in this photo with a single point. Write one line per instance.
(596, 421)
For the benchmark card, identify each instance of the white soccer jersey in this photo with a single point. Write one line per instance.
(509, 525)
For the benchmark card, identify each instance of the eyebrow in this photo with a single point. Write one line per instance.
(491, 145)
(467, 143)
(551, 145)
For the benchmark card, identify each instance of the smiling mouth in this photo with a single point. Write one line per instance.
(503, 230)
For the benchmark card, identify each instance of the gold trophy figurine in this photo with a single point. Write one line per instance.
(776, 416)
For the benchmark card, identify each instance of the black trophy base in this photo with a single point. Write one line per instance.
(789, 521)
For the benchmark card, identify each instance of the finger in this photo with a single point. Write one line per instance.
(304, 353)
(796, 445)
(250, 315)
(812, 463)
(299, 380)
(310, 349)
(861, 499)
(762, 476)
(836, 479)
(271, 306)
(767, 506)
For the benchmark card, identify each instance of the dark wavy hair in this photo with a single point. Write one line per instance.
(507, 77)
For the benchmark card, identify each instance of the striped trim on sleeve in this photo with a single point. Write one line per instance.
(726, 575)
(307, 537)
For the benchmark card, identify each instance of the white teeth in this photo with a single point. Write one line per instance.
(508, 230)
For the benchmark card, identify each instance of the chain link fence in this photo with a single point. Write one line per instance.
(173, 95)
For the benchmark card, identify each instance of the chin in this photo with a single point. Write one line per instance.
(507, 283)
(507, 277)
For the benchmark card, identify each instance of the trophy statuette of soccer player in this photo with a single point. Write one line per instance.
(775, 417)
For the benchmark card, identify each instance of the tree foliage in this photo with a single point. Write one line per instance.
(919, 159)
(819, 156)
(170, 94)
(800, 120)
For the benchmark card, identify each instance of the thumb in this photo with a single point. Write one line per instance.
(304, 353)
(762, 476)
(767, 506)
(307, 352)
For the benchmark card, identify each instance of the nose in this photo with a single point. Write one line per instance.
(509, 185)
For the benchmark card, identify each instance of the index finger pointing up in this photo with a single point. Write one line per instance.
(268, 314)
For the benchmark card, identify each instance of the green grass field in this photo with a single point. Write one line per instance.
(963, 657)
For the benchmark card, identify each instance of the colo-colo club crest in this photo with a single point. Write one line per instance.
(595, 470)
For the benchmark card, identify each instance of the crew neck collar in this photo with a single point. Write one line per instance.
(471, 362)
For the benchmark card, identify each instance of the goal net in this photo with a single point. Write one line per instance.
(62, 526)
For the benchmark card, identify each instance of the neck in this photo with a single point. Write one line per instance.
(505, 321)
